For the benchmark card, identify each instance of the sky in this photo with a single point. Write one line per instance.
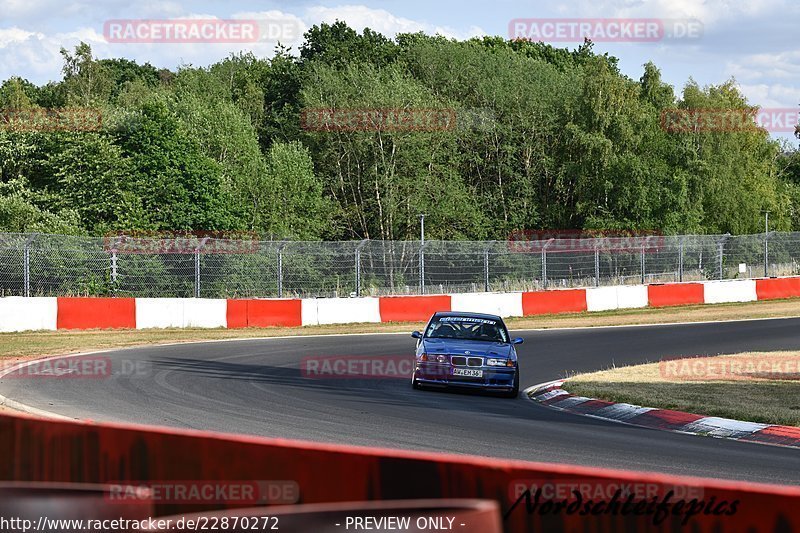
(756, 42)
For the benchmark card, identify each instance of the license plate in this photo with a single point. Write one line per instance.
(468, 372)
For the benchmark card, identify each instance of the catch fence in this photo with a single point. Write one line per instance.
(59, 265)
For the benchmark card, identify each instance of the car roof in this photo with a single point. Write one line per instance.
(467, 314)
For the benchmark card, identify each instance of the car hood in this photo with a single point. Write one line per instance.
(458, 347)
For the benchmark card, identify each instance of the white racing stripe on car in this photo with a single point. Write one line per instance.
(723, 427)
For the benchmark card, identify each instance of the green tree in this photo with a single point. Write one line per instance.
(291, 197)
(175, 185)
(92, 179)
(87, 81)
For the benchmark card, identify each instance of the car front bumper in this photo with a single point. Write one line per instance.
(499, 378)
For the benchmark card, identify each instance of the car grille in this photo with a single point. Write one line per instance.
(460, 360)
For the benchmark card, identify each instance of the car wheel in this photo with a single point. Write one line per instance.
(414, 384)
(514, 392)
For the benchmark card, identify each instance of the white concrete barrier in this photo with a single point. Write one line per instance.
(631, 296)
(159, 313)
(347, 310)
(181, 313)
(23, 314)
(308, 312)
(601, 298)
(738, 290)
(494, 303)
(205, 313)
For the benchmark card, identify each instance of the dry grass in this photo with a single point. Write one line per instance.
(31, 344)
(757, 387)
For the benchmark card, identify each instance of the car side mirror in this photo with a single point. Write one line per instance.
(518, 340)
(416, 334)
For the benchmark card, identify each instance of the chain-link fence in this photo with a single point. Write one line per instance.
(57, 265)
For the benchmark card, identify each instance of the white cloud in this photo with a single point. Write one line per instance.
(360, 17)
(783, 65)
(35, 54)
(28, 54)
(766, 95)
(708, 12)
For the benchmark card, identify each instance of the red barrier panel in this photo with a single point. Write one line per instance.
(776, 289)
(675, 294)
(264, 313)
(46, 450)
(549, 302)
(90, 313)
(236, 314)
(412, 308)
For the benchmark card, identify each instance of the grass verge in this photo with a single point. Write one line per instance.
(755, 387)
(32, 344)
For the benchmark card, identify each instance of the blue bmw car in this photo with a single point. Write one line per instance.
(470, 350)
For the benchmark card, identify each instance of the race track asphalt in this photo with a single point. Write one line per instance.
(256, 387)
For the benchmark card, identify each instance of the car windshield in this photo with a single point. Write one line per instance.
(467, 328)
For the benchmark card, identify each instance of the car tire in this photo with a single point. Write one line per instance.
(414, 384)
(514, 392)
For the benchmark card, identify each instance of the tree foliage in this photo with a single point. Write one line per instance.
(540, 137)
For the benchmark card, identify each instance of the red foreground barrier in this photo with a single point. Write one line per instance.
(675, 294)
(777, 288)
(412, 308)
(42, 450)
(548, 302)
(90, 313)
(264, 313)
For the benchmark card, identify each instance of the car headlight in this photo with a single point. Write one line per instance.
(500, 362)
(433, 358)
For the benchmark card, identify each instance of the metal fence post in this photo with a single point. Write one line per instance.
(197, 273)
(766, 254)
(596, 264)
(197, 267)
(281, 246)
(114, 263)
(486, 266)
(644, 245)
(422, 267)
(544, 263)
(486, 270)
(680, 260)
(26, 266)
(358, 266)
(114, 268)
(26, 271)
